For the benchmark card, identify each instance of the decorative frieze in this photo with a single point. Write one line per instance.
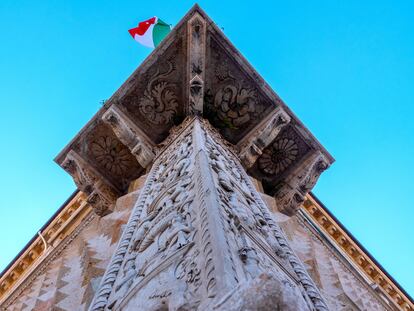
(60, 227)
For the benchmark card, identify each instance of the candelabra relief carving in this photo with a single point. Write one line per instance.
(197, 229)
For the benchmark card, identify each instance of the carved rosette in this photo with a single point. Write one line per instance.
(279, 156)
(111, 155)
(252, 146)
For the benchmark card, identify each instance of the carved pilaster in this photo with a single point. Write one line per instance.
(252, 145)
(130, 135)
(196, 29)
(101, 194)
(292, 192)
(199, 237)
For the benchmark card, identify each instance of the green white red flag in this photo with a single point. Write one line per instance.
(150, 32)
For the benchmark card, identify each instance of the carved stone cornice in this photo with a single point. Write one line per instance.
(382, 282)
(59, 227)
(101, 193)
(196, 50)
(130, 135)
(252, 145)
(291, 194)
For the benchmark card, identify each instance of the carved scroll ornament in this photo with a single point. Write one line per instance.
(160, 103)
(292, 193)
(235, 104)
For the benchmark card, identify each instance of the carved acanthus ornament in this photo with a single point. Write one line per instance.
(101, 194)
(160, 103)
(236, 104)
(130, 135)
(251, 147)
(292, 192)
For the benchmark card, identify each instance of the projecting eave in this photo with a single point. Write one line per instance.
(195, 70)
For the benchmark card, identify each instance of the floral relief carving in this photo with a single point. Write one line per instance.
(278, 156)
(160, 102)
(235, 104)
(111, 155)
(189, 271)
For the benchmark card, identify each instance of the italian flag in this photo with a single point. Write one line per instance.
(150, 32)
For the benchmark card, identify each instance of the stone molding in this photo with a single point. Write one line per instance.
(194, 71)
(349, 246)
(61, 226)
(311, 228)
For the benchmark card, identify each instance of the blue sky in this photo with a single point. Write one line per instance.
(344, 67)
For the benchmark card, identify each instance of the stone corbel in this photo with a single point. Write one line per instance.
(196, 65)
(251, 147)
(292, 193)
(101, 194)
(130, 135)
